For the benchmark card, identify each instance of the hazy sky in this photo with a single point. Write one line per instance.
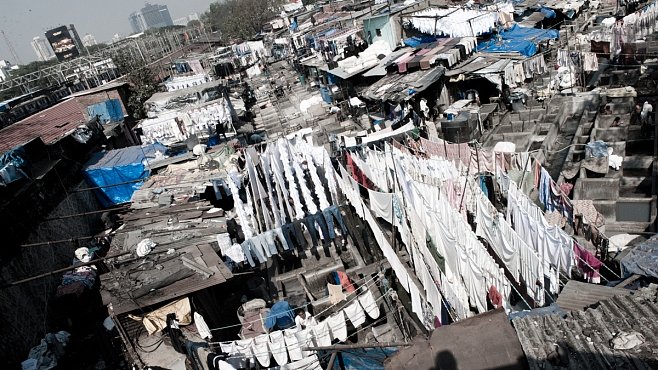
(22, 20)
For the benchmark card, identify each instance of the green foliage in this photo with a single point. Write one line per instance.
(240, 19)
(194, 23)
(142, 82)
(94, 48)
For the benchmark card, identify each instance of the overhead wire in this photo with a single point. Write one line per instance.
(255, 354)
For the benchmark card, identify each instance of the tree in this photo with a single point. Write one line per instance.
(242, 19)
(194, 23)
(142, 80)
(94, 48)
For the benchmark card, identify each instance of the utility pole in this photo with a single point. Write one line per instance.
(12, 51)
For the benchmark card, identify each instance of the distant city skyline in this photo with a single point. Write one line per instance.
(24, 20)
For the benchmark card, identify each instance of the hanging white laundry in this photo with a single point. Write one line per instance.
(277, 347)
(367, 301)
(355, 313)
(304, 339)
(260, 349)
(294, 350)
(337, 326)
(308, 363)
(381, 204)
(321, 334)
(201, 327)
(243, 348)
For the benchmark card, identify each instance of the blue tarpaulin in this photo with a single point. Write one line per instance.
(281, 316)
(548, 13)
(120, 166)
(371, 358)
(13, 165)
(518, 39)
(418, 40)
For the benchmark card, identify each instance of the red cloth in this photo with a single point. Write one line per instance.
(358, 175)
(495, 297)
(587, 262)
(345, 282)
(566, 188)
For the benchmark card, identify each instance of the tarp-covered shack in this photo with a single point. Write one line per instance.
(116, 173)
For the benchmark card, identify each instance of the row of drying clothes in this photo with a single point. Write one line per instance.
(508, 169)
(428, 309)
(286, 182)
(553, 197)
(586, 60)
(450, 263)
(285, 347)
(453, 22)
(297, 236)
(538, 261)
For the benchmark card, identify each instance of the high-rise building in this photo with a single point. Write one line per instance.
(5, 67)
(150, 16)
(89, 40)
(42, 48)
(183, 21)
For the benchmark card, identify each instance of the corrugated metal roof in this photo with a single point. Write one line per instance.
(50, 124)
(101, 88)
(162, 275)
(582, 339)
(578, 296)
(399, 87)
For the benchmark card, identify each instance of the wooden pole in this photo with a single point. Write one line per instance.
(339, 347)
(18, 282)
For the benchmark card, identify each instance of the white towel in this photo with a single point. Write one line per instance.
(304, 338)
(368, 303)
(321, 334)
(260, 350)
(294, 350)
(201, 326)
(335, 293)
(227, 347)
(355, 313)
(308, 363)
(278, 347)
(337, 325)
(243, 349)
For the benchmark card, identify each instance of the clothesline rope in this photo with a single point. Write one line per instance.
(242, 355)
(306, 304)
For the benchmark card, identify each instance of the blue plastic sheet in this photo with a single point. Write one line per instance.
(415, 41)
(116, 172)
(281, 315)
(523, 47)
(13, 165)
(548, 13)
(518, 39)
(597, 149)
(371, 358)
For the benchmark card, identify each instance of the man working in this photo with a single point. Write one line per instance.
(304, 319)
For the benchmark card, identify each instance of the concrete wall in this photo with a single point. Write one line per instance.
(597, 189)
